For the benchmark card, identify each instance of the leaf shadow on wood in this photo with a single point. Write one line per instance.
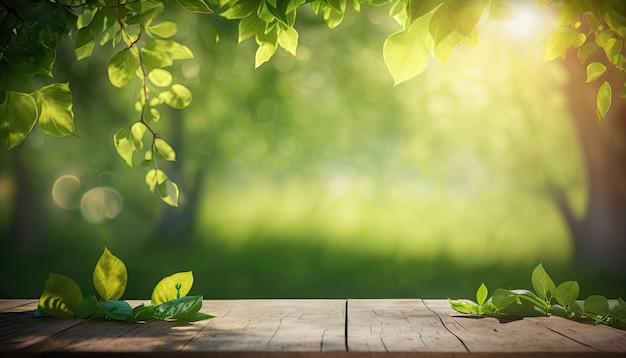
(21, 331)
(501, 319)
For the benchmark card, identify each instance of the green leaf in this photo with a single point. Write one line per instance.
(160, 53)
(38, 313)
(122, 68)
(198, 316)
(118, 311)
(459, 16)
(172, 287)
(542, 283)
(610, 43)
(568, 16)
(85, 42)
(124, 145)
(88, 307)
(160, 77)
(619, 311)
(264, 53)
(165, 29)
(61, 296)
(481, 294)
(163, 150)
(558, 310)
(620, 62)
(145, 313)
(529, 304)
(294, 4)
(56, 117)
(576, 308)
(594, 70)
(153, 115)
(567, 293)
(169, 192)
(240, 10)
(466, 307)
(559, 42)
(288, 39)
(167, 189)
(197, 6)
(137, 130)
(179, 308)
(142, 12)
(18, 114)
(585, 51)
(110, 276)
(444, 49)
(596, 305)
(502, 298)
(604, 99)
(250, 26)
(179, 97)
(406, 52)
(182, 309)
(264, 12)
(333, 18)
(155, 177)
(622, 92)
(418, 8)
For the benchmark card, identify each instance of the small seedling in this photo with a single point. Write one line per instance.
(546, 299)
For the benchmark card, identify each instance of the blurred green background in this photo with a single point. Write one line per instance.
(313, 176)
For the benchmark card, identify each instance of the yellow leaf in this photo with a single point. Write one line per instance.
(110, 276)
(172, 287)
(604, 99)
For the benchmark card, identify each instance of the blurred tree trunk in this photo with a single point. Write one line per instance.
(24, 231)
(176, 224)
(599, 235)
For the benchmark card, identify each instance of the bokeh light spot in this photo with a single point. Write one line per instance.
(100, 204)
(66, 192)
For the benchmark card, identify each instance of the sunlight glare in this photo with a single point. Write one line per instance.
(528, 20)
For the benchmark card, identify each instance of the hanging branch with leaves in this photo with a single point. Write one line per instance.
(430, 28)
(35, 28)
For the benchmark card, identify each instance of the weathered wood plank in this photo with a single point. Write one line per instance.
(87, 335)
(7, 305)
(21, 329)
(308, 328)
(275, 325)
(110, 336)
(600, 337)
(261, 325)
(489, 335)
(397, 326)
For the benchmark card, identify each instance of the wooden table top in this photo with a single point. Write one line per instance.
(307, 328)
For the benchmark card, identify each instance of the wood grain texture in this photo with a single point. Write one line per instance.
(488, 334)
(275, 325)
(397, 326)
(600, 337)
(307, 328)
(17, 305)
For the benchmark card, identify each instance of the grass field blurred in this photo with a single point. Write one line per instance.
(291, 243)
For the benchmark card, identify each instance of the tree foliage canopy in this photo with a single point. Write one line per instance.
(144, 52)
